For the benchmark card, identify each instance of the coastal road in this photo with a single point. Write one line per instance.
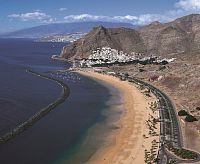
(170, 131)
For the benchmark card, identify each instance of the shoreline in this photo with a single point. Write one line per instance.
(127, 144)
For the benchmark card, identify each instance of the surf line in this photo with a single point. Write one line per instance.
(43, 112)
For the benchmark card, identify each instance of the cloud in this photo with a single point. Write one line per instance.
(142, 19)
(33, 16)
(137, 20)
(62, 9)
(84, 17)
(148, 18)
(188, 5)
(180, 8)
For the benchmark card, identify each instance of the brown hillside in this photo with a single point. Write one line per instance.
(179, 36)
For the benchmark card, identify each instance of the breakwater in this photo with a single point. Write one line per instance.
(37, 116)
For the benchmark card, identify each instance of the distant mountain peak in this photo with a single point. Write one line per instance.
(155, 23)
(62, 28)
(99, 28)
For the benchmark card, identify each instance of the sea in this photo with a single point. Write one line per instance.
(75, 130)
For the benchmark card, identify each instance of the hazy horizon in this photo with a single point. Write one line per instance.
(17, 15)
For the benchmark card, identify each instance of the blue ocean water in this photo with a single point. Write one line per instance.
(59, 136)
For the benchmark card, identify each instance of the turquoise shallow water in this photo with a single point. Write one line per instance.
(74, 131)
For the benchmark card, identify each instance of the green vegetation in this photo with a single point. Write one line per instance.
(161, 68)
(141, 70)
(172, 161)
(190, 118)
(122, 78)
(151, 124)
(150, 156)
(147, 93)
(182, 113)
(198, 108)
(126, 75)
(153, 106)
(164, 62)
(182, 153)
(141, 87)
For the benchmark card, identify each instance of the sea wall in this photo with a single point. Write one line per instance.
(37, 116)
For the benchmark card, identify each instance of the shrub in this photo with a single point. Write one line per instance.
(183, 153)
(190, 118)
(141, 70)
(182, 113)
(161, 68)
(198, 108)
(164, 62)
(126, 75)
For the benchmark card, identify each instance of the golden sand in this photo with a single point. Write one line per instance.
(128, 143)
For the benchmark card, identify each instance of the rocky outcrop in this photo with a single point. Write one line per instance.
(123, 39)
(179, 36)
(172, 37)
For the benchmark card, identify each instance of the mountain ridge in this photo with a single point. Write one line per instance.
(60, 28)
(101, 37)
(179, 36)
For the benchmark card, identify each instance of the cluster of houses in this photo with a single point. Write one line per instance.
(107, 56)
(71, 37)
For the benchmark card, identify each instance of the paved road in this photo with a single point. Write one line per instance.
(170, 131)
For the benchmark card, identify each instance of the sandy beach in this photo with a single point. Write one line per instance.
(129, 143)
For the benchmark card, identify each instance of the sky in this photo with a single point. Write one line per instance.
(19, 14)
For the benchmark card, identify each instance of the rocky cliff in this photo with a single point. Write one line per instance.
(179, 36)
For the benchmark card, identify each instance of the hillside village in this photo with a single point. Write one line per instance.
(107, 56)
